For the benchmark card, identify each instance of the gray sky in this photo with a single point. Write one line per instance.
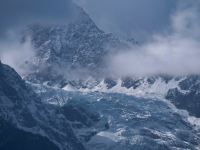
(174, 24)
(16, 13)
(175, 52)
(138, 18)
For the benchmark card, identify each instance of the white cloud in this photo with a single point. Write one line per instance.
(16, 54)
(173, 53)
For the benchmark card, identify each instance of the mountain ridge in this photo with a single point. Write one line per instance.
(73, 55)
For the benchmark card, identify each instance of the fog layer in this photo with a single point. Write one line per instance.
(174, 53)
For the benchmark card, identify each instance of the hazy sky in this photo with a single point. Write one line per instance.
(171, 27)
(17, 13)
(175, 52)
(137, 18)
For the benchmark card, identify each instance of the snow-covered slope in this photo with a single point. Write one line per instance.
(77, 120)
(183, 92)
(127, 122)
(137, 87)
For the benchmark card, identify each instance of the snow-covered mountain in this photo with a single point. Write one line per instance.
(72, 56)
(79, 47)
(68, 102)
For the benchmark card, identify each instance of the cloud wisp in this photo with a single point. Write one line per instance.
(174, 53)
(16, 54)
(15, 15)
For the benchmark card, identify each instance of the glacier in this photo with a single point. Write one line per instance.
(129, 122)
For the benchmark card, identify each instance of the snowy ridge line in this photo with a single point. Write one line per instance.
(158, 89)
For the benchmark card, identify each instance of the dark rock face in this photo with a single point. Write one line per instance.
(62, 49)
(129, 82)
(14, 138)
(15, 96)
(26, 114)
(78, 114)
(189, 99)
(21, 107)
(110, 82)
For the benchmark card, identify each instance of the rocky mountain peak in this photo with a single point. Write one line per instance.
(77, 45)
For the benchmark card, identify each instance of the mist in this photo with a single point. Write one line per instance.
(174, 52)
(16, 15)
(15, 53)
(173, 48)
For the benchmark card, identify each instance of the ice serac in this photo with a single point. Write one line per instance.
(182, 91)
(78, 46)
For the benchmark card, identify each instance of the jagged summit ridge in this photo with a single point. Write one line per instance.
(79, 44)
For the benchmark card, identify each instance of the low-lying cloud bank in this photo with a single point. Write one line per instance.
(174, 53)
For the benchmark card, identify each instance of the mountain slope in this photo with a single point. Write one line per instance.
(12, 93)
(23, 109)
(187, 96)
(14, 138)
(126, 122)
